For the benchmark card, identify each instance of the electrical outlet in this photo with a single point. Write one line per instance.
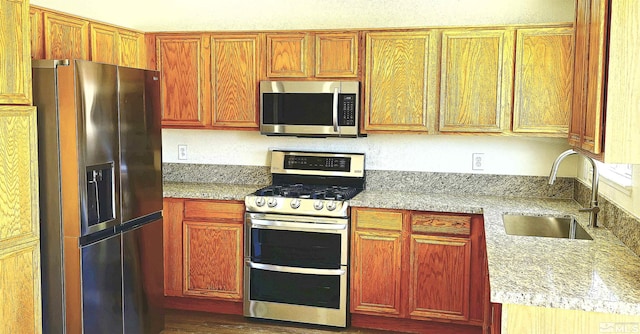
(477, 161)
(182, 152)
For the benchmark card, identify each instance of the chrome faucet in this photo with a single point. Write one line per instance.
(593, 209)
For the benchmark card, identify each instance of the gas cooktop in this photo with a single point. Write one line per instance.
(310, 183)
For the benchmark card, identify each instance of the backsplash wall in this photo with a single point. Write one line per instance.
(422, 153)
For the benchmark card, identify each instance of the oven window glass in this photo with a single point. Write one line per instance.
(296, 289)
(297, 108)
(296, 249)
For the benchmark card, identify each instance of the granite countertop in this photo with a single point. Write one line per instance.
(599, 275)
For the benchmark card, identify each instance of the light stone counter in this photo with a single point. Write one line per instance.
(218, 191)
(602, 275)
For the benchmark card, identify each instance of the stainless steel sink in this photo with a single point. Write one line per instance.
(544, 226)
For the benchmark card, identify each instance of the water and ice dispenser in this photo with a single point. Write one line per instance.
(100, 193)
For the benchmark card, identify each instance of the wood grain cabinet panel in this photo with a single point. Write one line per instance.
(15, 52)
(65, 37)
(439, 284)
(37, 34)
(475, 83)
(213, 259)
(376, 273)
(543, 80)
(203, 250)
(289, 55)
(400, 90)
(104, 43)
(20, 310)
(183, 61)
(235, 69)
(173, 214)
(131, 48)
(336, 55)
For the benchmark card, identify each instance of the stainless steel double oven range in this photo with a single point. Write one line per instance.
(297, 238)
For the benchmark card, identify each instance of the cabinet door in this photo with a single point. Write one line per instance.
(543, 80)
(376, 273)
(400, 81)
(213, 259)
(37, 38)
(475, 83)
(65, 37)
(336, 55)
(15, 64)
(439, 277)
(182, 60)
(20, 309)
(587, 115)
(104, 43)
(173, 214)
(235, 65)
(289, 55)
(131, 47)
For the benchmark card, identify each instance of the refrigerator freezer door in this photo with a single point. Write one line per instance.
(142, 271)
(140, 142)
(102, 286)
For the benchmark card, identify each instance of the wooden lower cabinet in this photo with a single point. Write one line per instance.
(203, 254)
(421, 271)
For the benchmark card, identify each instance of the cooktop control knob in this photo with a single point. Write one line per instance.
(318, 205)
(272, 202)
(259, 201)
(331, 205)
(295, 203)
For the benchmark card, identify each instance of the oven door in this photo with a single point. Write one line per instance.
(296, 268)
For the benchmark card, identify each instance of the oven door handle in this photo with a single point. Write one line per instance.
(298, 226)
(296, 270)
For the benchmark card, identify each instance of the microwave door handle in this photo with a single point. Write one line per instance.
(336, 127)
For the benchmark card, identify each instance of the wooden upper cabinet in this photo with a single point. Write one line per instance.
(65, 37)
(336, 55)
(37, 34)
(15, 54)
(622, 142)
(235, 70)
(543, 80)
(131, 49)
(400, 86)
(309, 54)
(183, 61)
(289, 55)
(104, 43)
(587, 117)
(476, 77)
(116, 46)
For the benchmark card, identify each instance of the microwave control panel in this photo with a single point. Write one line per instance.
(347, 113)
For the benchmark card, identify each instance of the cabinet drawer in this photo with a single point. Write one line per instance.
(214, 210)
(432, 223)
(378, 219)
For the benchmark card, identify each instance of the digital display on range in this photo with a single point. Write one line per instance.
(305, 162)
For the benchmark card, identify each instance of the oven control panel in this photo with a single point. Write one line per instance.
(299, 206)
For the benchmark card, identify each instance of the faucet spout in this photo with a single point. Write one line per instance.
(593, 208)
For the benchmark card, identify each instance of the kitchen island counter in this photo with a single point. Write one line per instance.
(599, 275)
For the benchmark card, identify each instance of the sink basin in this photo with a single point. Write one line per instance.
(544, 226)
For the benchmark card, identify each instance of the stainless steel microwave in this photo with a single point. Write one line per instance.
(310, 108)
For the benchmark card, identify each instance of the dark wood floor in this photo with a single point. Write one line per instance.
(198, 322)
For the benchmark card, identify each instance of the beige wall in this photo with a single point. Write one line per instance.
(193, 15)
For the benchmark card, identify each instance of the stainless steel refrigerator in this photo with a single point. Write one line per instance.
(100, 197)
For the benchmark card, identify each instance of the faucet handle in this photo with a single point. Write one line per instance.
(594, 209)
